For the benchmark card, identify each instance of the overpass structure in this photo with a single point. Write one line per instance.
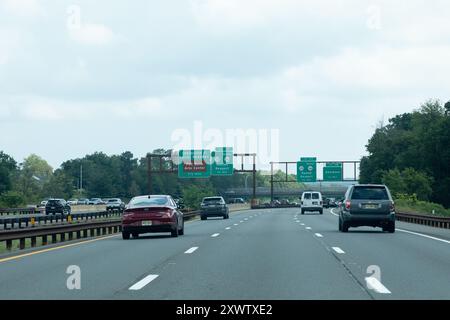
(329, 190)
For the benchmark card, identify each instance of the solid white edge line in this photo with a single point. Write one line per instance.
(141, 284)
(338, 250)
(377, 286)
(191, 250)
(318, 235)
(424, 235)
(215, 235)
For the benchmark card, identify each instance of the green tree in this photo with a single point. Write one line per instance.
(8, 167)
(12, 199)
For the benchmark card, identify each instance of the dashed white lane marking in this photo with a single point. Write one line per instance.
(242, 221)
(302, 224)
(318, 235)
(308, 228)
(228, 228)
(246, 219)
(236, 224)
(191, 250)
(215, 235)
(377, 286)
(338, 250)
(141, 284)
(423, 235)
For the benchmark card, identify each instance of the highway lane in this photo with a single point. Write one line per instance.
(259, 254)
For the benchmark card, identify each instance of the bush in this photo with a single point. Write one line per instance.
(12, 199)
(193, 195)
(409, 182)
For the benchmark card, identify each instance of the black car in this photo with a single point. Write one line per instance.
(55, 206)
(367, 205)
(214, 207)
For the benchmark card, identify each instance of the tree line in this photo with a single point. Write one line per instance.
(104, 176)
(411, 154)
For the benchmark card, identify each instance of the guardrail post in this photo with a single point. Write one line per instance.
(78, 234)
(85, 233)
(9, 245)
(70, 236)
(63, 237)
(33, 242)
(92, 233)
(22, 243)
(44, 240)
(54, 238)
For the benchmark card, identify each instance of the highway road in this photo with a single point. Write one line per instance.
(257, 254)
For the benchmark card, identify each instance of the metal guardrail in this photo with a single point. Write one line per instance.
(18, 211)
(36, 221)
(437, 222)
(81, 230)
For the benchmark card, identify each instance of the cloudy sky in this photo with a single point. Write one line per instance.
(84, 76)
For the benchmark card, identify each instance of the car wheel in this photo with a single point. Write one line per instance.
(135, 235)
(344, 226)
(340, 225)
(303, 211)
(175, 233)
(390, 228)
(181, 233)
(203, 218)
(321, 211)
(125, 235)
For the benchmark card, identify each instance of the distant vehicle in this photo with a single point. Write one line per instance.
(55, 206)
(236, 201)
(326, 203)
(367, 205)
(115, 205)
(44, 202)
(285, 202)
(214, 207)
(83, 202)
(154, 213)
(73, 202)
(96, 201)
(312, 201)
(275, 203)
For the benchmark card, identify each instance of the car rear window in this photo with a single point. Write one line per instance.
(307, 196)
(212, 200)
(144, 202)
(370, 193)
(315, 196)
(53, 202)
(113, 200)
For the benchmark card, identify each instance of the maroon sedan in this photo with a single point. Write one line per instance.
(145, 214)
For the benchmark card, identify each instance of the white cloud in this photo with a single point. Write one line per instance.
(92, 34)
(25, 8)
(9, 43)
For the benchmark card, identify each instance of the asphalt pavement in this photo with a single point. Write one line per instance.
(270, 254)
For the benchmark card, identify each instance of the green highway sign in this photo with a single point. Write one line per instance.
(194, 164)
(222, 162)
(334, 164)
(307, 170)
(310, 159)
(332, 173)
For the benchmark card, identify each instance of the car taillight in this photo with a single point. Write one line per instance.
(168, 213)
(347, 205)
(392, 206)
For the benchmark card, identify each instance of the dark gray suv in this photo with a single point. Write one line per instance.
(367, 205)
(214, 207)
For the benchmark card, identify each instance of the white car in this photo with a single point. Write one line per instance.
(73, 202)
(312, 201)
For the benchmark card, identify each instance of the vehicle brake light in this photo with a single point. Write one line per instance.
(392, 206)
(347, 205)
